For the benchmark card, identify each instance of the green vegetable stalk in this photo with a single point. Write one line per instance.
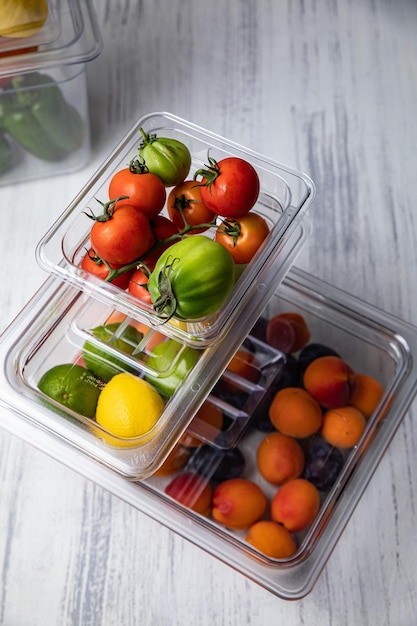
(34, 112)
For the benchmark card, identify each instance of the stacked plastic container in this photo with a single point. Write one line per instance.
(57, 323)
(44, 123)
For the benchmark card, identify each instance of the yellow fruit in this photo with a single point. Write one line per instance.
(22, 18)
(128, 407)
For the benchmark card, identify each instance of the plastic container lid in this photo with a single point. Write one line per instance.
(70, 35)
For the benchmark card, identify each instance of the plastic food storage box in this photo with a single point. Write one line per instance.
(54, 326)
(44, 123)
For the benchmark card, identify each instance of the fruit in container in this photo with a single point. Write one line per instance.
(279, 458)
(272, 539)
(217, 465)
(313, 351)
(229, 187)
(94, 265)
(102, 362)
(210, 419)
(295, 412)
(287, 332)
(186, 208)
(73, 386)
(128, 407)
(175, 461)
(367, 394)
(143, 190)
(22, 18)
(295, 505)
(166, 157)
(238, 503)
(191, 279)
(323, 463)
(343, 427)
(192, 491)
(243, 236)
(330, 380)
(171, 363)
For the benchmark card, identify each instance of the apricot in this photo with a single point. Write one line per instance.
(175, 461)
(243, 364)
(271, 539)
(238, 503)
(343, 427)
(212, 417)
(367, 394)
(295, 505)
(294, 412)
(330, 380)
(192, 491)
(280, 458)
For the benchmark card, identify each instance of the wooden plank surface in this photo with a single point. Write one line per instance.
(329, 87)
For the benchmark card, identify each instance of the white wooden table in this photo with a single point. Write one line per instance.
(329, 88)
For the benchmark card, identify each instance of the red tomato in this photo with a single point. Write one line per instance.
(123, 237)
(137, 286)
(243, 236)
(92, 264)
(162, 229)
(185, 200)
(229, 187)
(144, 190)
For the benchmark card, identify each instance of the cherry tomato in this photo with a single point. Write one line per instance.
(121, 235)
(243, 236)
(94, 265)
(144, 191)
(185, 201)
(229, 187)
(137, 286)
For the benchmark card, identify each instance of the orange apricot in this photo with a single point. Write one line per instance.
(330, 380)
(175, 461)
(343, 427)
(244, 365)
(271, 539)
(192, 491)
(210, 418)
(367, 394)
(280, 458)
(295, 412)
(295, 505)
(238, 503)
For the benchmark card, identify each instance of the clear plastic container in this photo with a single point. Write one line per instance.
(285, 196)
(57, 321)
(44, 122)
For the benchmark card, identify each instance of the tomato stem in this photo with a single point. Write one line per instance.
(209, 173)
(166, 303)
(108, 209)
(138, 166)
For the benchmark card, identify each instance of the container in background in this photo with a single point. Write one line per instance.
(44, 122)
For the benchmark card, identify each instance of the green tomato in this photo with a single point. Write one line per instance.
(100, 361)
(191, 279)
(174, 362)
(169, 159)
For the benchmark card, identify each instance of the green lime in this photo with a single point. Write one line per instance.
(100, 361)
(73, 386)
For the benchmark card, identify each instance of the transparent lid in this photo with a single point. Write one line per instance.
(69, 34)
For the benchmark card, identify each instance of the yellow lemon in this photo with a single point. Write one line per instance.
(128, 407)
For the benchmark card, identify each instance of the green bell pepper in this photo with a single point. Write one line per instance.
(34, 112)
(5, 154)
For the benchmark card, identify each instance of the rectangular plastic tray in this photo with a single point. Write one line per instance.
(284, 198)
(370, 340)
